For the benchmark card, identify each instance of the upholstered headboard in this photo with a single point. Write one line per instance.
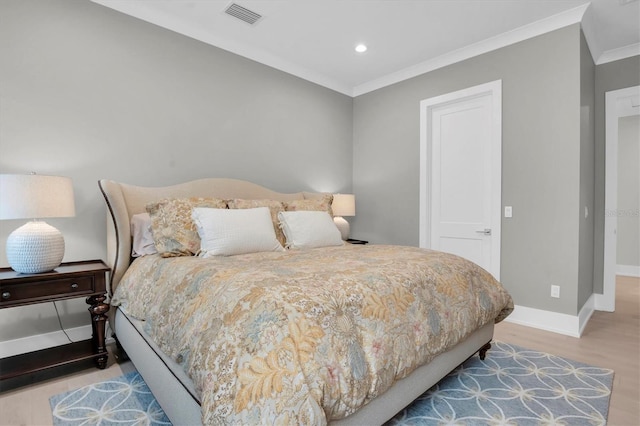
(123, 201)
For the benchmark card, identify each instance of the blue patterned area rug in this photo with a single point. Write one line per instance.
(124, 400)
(512, 386)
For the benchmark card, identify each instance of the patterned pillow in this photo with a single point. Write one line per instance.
(174, 232)
(275, 207)
(321, 204)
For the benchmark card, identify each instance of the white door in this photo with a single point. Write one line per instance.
(461, 142)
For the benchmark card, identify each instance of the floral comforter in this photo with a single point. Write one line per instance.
(303, 337)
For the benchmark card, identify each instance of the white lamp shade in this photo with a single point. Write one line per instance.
(344, 205)
(35, 196)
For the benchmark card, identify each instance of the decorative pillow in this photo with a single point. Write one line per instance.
(321, 204)
(225, 232)
(172, 227)
(275, 207)
(309, 229)
(143, 243)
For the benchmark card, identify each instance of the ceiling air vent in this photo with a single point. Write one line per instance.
(242, 13)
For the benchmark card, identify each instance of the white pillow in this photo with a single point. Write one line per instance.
(225, 232)
(309, 229)
(143, 243)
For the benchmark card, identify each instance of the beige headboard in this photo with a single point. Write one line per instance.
(123, 201)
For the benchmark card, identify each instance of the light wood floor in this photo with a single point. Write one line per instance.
(610, 340)
(29, 406)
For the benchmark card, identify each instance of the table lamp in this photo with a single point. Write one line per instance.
(36, 246)
(343, 205)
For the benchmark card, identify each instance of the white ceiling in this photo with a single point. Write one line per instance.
(315, 39)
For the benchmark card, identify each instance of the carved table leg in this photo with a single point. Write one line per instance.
(98, 310)
(483, 350)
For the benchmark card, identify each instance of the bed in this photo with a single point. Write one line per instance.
(337, 334)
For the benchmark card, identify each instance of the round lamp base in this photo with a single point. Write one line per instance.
(343, 226)
(35, 247)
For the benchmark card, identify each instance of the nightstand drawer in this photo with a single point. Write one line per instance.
(11, 293)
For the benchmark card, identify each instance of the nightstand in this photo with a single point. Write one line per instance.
(68, 281)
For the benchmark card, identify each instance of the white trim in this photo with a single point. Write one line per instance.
(628, 270)
(607, 300)
(43, 341)
(569, 325)
(619, 53)
(534, 29)
(602, 303)
(585, 313)
(139, 10)
(424, 218)
(155, 16)
(493, 88)
(47, 340)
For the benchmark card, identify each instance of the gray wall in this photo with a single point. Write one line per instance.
(628, 241)
(541, 169)
(610, 76)
(587, 173)
(90, 93)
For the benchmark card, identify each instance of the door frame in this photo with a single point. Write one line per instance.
(493, 88)
(607, 301)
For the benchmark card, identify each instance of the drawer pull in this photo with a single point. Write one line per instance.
(6, 295)
(74, 285)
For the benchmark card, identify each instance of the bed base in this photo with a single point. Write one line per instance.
(183, 408)
(178, 403)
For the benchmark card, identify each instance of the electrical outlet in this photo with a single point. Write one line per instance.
(555, 291)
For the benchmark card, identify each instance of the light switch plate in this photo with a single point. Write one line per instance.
(508, 211)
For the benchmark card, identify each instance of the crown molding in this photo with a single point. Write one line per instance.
(137, 9)
(561, 20)
(619, 53)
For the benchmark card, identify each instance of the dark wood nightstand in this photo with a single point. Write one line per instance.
(68, 281)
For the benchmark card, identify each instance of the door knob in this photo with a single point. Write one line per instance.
(485, 231)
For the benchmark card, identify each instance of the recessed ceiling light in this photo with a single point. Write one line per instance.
(361, 48)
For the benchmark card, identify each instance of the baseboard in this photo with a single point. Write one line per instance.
(569, 325)
(628, 270)
(47, 340)
(585, 313)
